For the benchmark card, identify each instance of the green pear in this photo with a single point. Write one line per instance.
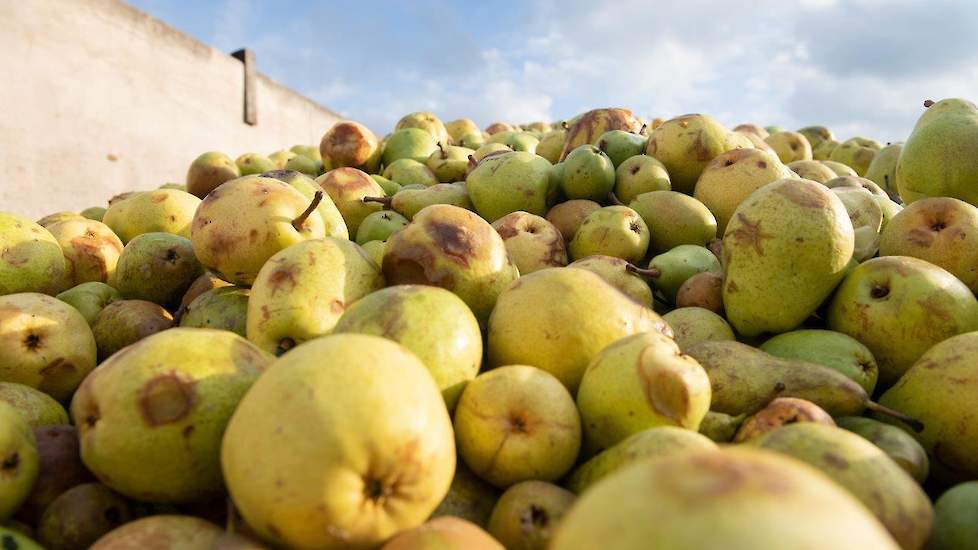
(692, 325)
(431, 322)
(856, 182)
(449, 163)
(674, 219)
(475, 141)
(552, 145)
(729, 498)
(791, 238)
(831, 349)
(18, 461)
(532, 242)
(389, 187)
(927, 167)
(509, 182)
(179, 531)
(956, 518)
(333, 223)
(896, 443)
(823, 150)
(528, 514)
(124, 322)
(425, 121)
(59, 468)
(46, 344)
(162, 210)
(81, 515)
(588, 174)
(32, 259)
(408, 202)
(856, 153)
(731, 177)
(208, 171)
(640, 174)
(890, 210)
(883, 168)
(469, 498)
(864, 470)
(866, 216)
(839, 168)
(587, 128)
(516, 140)
(517, 423)
(222, 308)
(304, 165)
(409, 172)
(790, 146)
(94, 213)
(816, 135)
(537, 321)
(461, 127)
(812, 170)
(157, 267)
(615, 231)
(38, 408)
(90, 248)
(281, 158)
(409, 143)
(250, 164)
(720, 427)
(349, 143)
(302, 291)
(308, 151)
(671, 269)
(379, 226)
(90, 298)
(615, 272)
(686, 144)
(567, 216)
(781, 411)
(640, 382)
(620, 145)
(899, 307)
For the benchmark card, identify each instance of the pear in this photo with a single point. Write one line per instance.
(449, 163)
(90, 298)
(686, 144)
(823, 151)
(488, 150)
(532, 242)
(517, 423)
(476, 140)
(790, 146)
(615, 231)
(183, 532)
(208, 171)
(839, 168)
(812, 170)
(757, 142)
(857, 182)
(223, 308)
(528, 514)
(347, 187)
(692, 325)
(511, 182)
(672, 269)
(791, 238)
(882, 170)
(156, 267)
(939, 390)
(552, 145)
(779, 412)
(151, 418)
(408, 202)
(516, 140)
(91, 250)
(615, 272)
(14, 537)
(455, 249)
(588, 128)
(752, 129)
(640, 174)
(333, 223)
(567, 216)
(207, 281)
(896, 443)
(674, 219)
(704, 290)
(38, 408)
(375, 250)
(18, 461)
(409, 143)
(890, 210)
(588, 174)
(927, 167)
(830, 349)
(412, 172)
(640, 382)
(381, 470)
(731, 177)
(469, 498)
(302, 291)
(866, 216)
(856, 153)
(443, 532)
(242, 224)
(52, 219)
(816, 135)
(425, 121)
(349, 143)
(47, 344)
(729, 498)
(252, 164)
(937, 230)
(32, 259)
(59, 468)
(956, 518)
(379, 226)
(80, 515)
(531, 326)
(899, 307)
(389, 187)
(649, 443)
(124, 322)
(461, 127)
(620, 145)
(431, 322)
(281, 158)
(720, 427)
(177, 186)
(94, 213)
(864, 470)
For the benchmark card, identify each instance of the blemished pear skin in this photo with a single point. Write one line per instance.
(790, 146)
(552, 145)
(940, 390)
(729, 498)
(721, 427)
(347, 187)
(856, 153)
(382, 469)
(59, 468)
(649, 443)
(301, 292)
(529, 326)
(692, 325)
(528, 514)
(517, 423)
(183, 532)
(617, 231)
(615, 272)
(686, 144)
(850, 180)
(469, 497)
(91, 250)
(899, 307)
(208, 171)
(224, 308)
(640, 174)
(640, 382)
(899, 445)
(333, 223)
(511, 182)
(704, 290)
(246, 221)
(938, 159)
(38, 408)
(429, 122)
(532, 242)
(47, 344)
(812, 170)
(748, 128)
(450, 162)
(151, 419)
(590, 126)
(956, 518)
(791, 238)
(18, 460)
(349, 143)
(81, 515)
(52, 219)
(781, 411)
(33, 260)
(834, 350)
(452, 248)
(156, 267)
(670, 270)
(674, 219)
(461, 127)
(254, 164)
(431, 322)
(89, 298)
(125, 322)
(731, 177)
(865, 471)
(816, 134)
(939, 230)
(568, 215)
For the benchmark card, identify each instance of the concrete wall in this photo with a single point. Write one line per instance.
(99, 98)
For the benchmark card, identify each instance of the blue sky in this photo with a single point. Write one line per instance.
(860, 67)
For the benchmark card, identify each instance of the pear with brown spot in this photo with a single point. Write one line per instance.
(812, 170)
(616, 231)
(81, 515)
(461, 127)
(865, 471)
(18, 461)
(790, 146)
(528, 514)
(160, 210)
(588, 127)
(423, 120)
(532, 242)
(349, 143)
(125, 322)
(568, 215)
(857, 153)
(731, 177)
(31, 260)
(686, 144)
(150, 419)
(91, 250)
(38, 408)
(866, 216)
(781, 412)
(347, 187)
(207, 281)
(209, 171)
(178, 532)
(224, 308)
(333, 223)
(47, 344)
(156, 267)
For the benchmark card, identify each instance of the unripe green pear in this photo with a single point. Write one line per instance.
(831, 349)
(640, 174)
(516, 140)
(252, 164)
(686, 144)
(510, 182)
(674, 219)
(305, 165)
(389, 187)
(379, 226)
(90, 298)
(956, 518)
(587, 128)
(159, 211)
(32, 260)
(94, 213)
(222, 308)
(125, 322)
(620, 145)
(671, 269)
(408, 201)
(425, 121)
(157, 267)
(938, 158)
(899, 445)
(408, 143)
(412, 172)
(588, 174)
(615, 231)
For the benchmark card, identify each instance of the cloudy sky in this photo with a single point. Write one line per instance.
(860, 67)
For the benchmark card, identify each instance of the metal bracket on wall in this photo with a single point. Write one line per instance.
(247, 58)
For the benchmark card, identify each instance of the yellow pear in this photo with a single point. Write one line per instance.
(31, 258)
(157, 211)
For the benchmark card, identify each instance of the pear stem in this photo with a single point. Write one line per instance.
(928, 102)
(915, 425)
(386, 201)
(642, 129)
(297, 223)
(442, 149)
(651, 272)
(284, 345)
(472, 162)
(613, 199)
(563, 124)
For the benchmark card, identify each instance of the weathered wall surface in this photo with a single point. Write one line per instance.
(99, 98)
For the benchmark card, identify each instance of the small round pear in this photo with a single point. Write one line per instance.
(956, 518)
(161, 210)
(32, 259)
(125, 322)
(617, 231)
(568, 215)
(790, 146)
(528, 514)
(349, 143)
(208, 171)
(91, 250)
(532, 242)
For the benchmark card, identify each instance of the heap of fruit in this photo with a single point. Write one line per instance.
(601, 333)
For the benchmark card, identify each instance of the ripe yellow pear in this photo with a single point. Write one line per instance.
(32, 260)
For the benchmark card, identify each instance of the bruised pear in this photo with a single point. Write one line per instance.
(781, 411)
(532, 242)
(347, 187)
(125, 322)
(208, 171)
(32, 259)
(731, 177)
(528, 514)
(686, 144)
(588, 128)
(156, 267)
(349, 143)
(790, 146)
(333, 223)
(567, 216)
(91, 250)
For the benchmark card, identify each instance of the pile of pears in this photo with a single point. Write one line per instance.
(603, 332)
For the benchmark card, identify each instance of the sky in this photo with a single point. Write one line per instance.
(859, 67)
